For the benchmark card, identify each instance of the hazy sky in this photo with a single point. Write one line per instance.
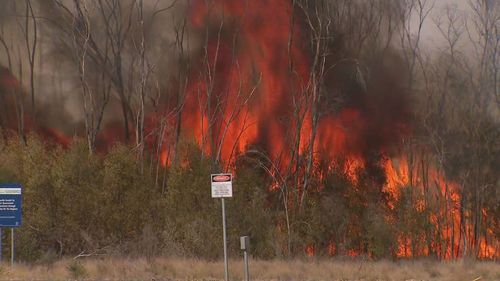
(431, 36)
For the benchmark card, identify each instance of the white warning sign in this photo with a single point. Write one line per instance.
(222, 185)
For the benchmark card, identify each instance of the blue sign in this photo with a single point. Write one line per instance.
(10, 204)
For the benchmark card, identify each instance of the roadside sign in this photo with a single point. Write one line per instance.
(10, 204)
(222, 185)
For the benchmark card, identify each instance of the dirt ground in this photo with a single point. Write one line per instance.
(192, 269)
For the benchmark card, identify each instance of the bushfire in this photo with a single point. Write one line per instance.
(254, 92)
(257, 91)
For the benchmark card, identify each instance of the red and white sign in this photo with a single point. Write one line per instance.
(222, 185)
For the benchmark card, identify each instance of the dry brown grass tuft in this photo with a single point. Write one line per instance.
(192, 269)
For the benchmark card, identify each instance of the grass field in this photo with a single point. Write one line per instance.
(191, 269)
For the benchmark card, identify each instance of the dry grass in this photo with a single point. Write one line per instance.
(191, 269)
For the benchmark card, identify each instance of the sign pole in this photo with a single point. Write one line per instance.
(225, 239)
(0, 244)
(244, 244)
(12, 246)
(247, 273)
(222, 186)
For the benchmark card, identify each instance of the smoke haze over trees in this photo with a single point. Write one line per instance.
(347, 132)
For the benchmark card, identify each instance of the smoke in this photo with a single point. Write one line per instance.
(364, 109)
(8, 84)
(58, 89)
(380, 97)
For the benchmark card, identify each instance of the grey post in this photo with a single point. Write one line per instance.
(244, 244)
(12, 246)
(0, 244)
(225, 239)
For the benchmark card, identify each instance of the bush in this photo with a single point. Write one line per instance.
(74, 201)
(192, 215)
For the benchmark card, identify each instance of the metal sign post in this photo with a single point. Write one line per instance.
(10, 211)
(0, 244)
(222, 186)
(12, 246)
(226, 277)
(244, 244)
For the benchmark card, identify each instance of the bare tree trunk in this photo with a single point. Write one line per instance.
(144, 76)
(9, 65)
(31, 49)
